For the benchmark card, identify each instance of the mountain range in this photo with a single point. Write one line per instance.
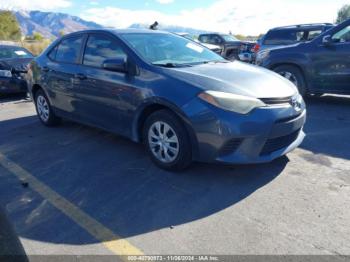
(51, 24)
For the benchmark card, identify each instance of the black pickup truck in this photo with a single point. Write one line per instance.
(231, 46)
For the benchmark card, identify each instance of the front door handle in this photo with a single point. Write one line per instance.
(80, 76)
(45, 69)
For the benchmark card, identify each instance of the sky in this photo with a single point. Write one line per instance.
(240, 17)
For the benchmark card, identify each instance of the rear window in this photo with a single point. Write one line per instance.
(283, 37)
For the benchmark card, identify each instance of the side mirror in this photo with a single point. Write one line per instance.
(118, 64)
(327, 40)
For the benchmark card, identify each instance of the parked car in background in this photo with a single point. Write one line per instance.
(319, 66)
(255, 49)
(13, 66)
(231, 46)
(183, 101)
(247, 53)
(289, 35)
(215, 48)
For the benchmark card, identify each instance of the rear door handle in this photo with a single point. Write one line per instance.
(45, 69)
(80, 76)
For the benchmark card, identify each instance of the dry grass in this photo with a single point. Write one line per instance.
(36, 47)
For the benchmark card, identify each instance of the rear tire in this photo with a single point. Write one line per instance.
(166, 141)
(294, 75)
(44, 110)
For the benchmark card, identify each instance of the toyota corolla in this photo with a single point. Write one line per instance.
(183, 101)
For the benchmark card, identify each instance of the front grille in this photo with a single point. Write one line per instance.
(277, 100)
(288, 119)
(277, 143)
(231, 146)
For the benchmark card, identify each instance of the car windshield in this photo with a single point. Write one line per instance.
(170, 50)
(9, 52)
(229, 38)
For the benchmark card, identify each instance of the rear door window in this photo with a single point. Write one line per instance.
(68, 50)
(313, 34)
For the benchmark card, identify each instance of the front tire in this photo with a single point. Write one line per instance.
(294, 75)
(166, 141)
(44, 110)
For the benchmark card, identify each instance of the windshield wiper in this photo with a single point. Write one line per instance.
(172, 65)
(168, 65)
(210, 62)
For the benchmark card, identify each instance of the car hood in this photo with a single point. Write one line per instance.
(237, 78)
(16, 63)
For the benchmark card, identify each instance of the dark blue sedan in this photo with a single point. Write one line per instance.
(183, 101)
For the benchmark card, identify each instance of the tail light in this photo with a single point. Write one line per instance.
(256, 48)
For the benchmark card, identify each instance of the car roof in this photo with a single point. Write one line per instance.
(304, 26)
(119, 31)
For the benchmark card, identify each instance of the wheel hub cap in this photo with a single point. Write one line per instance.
(163, 142)
(291, 77)
(43, 108)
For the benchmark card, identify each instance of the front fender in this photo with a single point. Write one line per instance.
(299, 60)
(159, 102)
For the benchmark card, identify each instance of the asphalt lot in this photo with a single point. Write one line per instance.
(83, 181)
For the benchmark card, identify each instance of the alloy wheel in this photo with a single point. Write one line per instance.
(43, 108)
(290, 76)
(163, 142)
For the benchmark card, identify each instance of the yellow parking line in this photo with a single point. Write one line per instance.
(113, 242)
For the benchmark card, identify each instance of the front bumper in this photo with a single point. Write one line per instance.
(261, 136)
(12, 85)
(246, 57)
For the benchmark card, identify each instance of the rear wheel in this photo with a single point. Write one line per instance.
(294, 75)
(166, 141)
(44, 110)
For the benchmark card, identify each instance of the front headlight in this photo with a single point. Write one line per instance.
(5, 73)
(231, 102)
